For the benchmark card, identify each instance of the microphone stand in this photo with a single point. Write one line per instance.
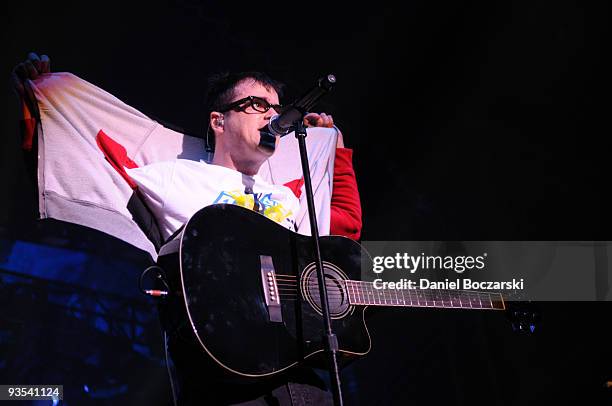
(329, 338)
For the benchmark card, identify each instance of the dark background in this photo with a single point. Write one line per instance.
(468, 120)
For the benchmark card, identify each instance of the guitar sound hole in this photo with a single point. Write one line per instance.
(337, 296)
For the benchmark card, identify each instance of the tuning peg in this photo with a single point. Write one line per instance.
(523, 316)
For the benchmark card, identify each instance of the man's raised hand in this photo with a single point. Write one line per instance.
(323, 120)
(31, 68)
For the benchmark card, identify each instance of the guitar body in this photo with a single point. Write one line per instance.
(223, 249)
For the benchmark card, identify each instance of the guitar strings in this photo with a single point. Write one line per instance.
(353, 287)
(362, 286)
(412, 301)
(422, 303)
(357, 283)
(363, 290)
(397, 301)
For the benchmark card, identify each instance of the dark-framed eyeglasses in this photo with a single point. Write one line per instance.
(257, 103)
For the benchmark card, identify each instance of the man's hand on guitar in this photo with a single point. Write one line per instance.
(31, 68)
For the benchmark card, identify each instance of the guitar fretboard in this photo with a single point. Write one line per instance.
(364, 293)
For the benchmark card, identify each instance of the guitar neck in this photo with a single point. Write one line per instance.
(364, 293)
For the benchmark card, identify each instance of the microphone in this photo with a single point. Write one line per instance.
(282, 124)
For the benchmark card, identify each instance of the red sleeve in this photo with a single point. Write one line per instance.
(28, 126)
(345, 204)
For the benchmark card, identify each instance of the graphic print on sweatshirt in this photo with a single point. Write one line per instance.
(259, 202)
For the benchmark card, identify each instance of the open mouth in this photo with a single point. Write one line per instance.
(267, 140)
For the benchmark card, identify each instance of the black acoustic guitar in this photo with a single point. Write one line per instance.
(249, 290)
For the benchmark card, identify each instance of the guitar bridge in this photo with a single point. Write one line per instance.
(270, 289)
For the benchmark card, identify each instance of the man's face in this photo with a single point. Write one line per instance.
(241, 128)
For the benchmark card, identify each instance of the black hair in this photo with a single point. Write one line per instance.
(220, 92)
